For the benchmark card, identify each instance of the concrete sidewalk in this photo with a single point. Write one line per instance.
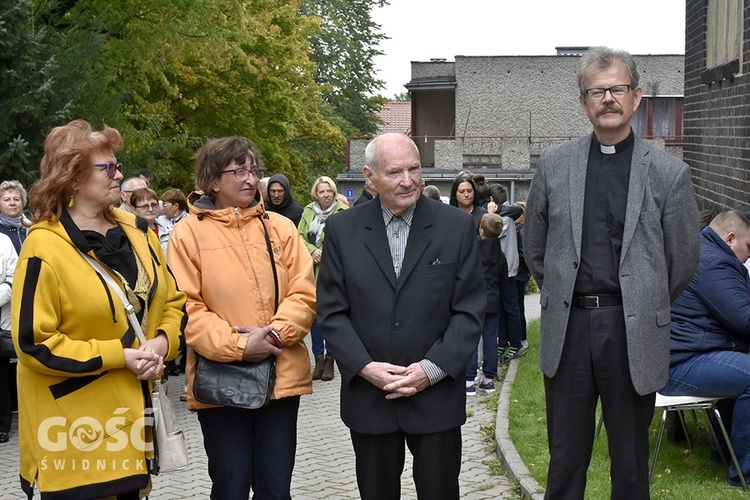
(325, 459)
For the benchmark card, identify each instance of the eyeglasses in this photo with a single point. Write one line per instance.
(243, 173)
(597, 93)
(111, 167)
(149, 206)
(167, 204)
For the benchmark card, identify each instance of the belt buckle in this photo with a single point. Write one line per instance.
(591, 301)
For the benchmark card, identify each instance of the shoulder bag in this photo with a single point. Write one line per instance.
(239, 384)
(6, 345)
(169, 441)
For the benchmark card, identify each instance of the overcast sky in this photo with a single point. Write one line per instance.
(423, 29)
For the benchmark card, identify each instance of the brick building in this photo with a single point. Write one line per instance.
(716, 119)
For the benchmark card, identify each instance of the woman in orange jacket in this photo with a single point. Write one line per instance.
(220, 258)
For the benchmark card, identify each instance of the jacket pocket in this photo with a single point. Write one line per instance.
(435, 269)
(543, 297)
(663, 316)
(93, 408)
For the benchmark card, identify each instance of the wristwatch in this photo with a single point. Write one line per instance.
(276, 337)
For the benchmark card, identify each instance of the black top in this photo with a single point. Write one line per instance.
(495, 272)
(604, 204)
(288, 207)
(115, 252)
(366, 196)
(16, 234)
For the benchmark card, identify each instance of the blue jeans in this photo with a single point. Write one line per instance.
(720, 374)
(489, 350)
(251, 449)
(318, 345)
(510, 318)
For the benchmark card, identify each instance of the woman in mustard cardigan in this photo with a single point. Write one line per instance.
(82, 375)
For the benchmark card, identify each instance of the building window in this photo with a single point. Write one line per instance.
(659, 117)
(724, 36)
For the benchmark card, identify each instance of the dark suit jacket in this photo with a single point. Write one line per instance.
(434, 311)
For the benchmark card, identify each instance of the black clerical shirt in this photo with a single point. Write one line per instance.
(604, 204)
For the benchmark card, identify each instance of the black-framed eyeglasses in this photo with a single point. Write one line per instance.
(243, 173)
(151, 206)
(597, 93)
(111, 167)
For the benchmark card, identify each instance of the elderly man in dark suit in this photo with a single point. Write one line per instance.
(401, 298)
(611, 236)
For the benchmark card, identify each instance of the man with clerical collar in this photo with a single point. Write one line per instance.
(401, 300)
(620, 221)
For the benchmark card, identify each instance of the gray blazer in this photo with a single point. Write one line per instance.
(659, 253)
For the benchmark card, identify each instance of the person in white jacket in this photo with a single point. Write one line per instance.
(8, 259)
(175, 208)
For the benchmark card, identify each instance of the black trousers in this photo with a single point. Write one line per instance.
(595, 364)
(380, 462)
(6, 385)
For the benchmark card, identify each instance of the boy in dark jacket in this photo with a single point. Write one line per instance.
(496, 278)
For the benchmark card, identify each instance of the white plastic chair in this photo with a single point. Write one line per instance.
(682, 403)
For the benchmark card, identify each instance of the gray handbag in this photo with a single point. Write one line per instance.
(240, 384)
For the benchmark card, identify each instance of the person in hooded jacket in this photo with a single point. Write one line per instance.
(278, 198)
(83, 377)
(221, 259)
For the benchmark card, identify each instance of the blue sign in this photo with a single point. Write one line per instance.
(349, 194)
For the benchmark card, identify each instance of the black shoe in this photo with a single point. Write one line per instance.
(4, 437)
(736, 482)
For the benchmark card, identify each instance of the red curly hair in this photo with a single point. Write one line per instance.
(67, 162)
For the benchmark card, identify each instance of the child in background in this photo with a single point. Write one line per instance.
(496, 278)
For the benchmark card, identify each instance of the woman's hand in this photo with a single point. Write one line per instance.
(259, 343)
(158, 344)
(316, 255)
(145, 364)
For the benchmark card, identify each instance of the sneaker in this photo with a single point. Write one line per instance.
(513, 353)
(4, 437)
(471, 391)
(488, 387)
(501, 350)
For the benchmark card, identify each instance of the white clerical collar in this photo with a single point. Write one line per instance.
(607, 150)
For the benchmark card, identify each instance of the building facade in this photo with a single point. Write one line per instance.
(494, 114)
(716, 140)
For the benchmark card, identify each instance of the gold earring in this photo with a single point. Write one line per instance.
(72, 201)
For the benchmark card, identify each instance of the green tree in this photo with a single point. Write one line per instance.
(402, 97)
(48, 74)
(188, 70)
(344, 51)
(169, 74)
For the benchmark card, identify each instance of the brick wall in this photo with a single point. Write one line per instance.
(716, 120)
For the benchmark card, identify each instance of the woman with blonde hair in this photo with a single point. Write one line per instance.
(12, 221)
(81, 371)
(312, 228)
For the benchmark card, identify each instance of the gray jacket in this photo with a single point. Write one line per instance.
(659, 253)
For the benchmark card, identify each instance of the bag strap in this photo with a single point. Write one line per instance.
(129, 309)
(273, 263)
